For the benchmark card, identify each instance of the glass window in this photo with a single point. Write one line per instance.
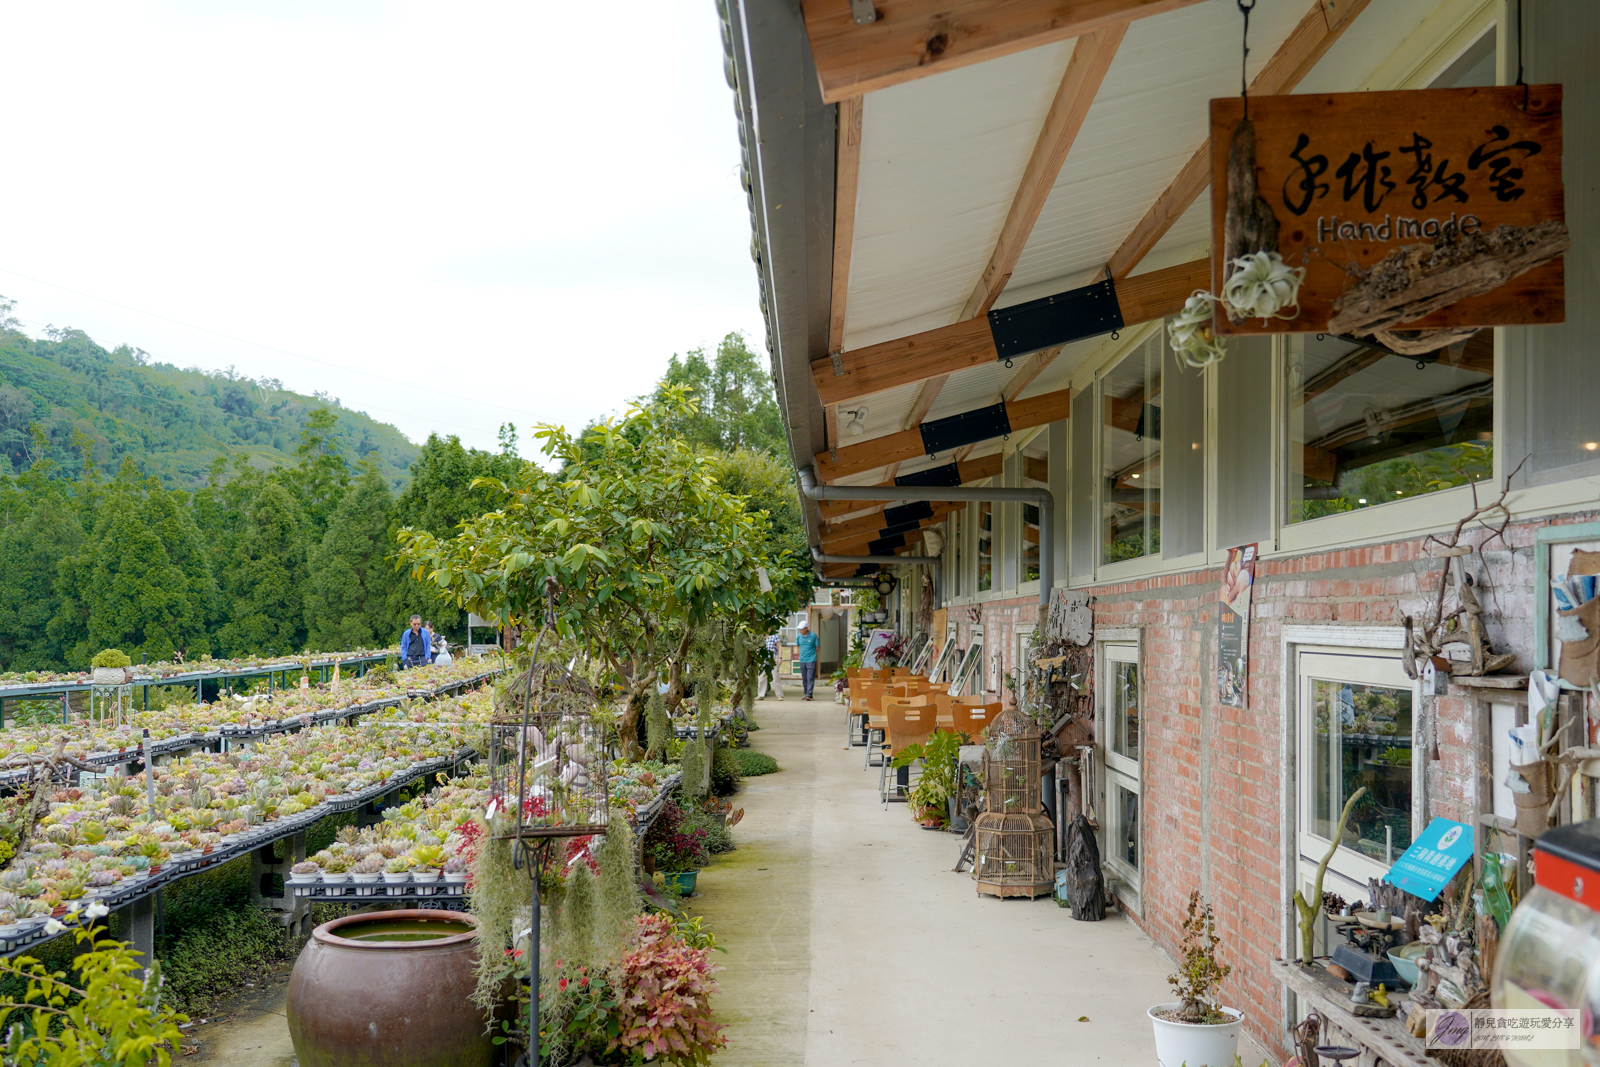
(1035, 475)
(1367, 426)
(1124, 707)
(985, 534)
(1355, 715)
(958, 549)
(1124, 829)
(1130, 456)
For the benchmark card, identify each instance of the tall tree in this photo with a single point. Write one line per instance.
(348, 578)
(167, 513)
(39, 529)
(321, 477)
(262, 586)
(734, 404)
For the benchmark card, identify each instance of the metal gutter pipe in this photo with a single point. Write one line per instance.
(1041, 498)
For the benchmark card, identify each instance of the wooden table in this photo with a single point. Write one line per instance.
(1383, 1042)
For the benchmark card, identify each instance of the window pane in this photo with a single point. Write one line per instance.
(1130, 452)
(1367, 426)
(1035, 475)
(1125, 811)
(1361, 736)
(1125, 709)
(985, 545)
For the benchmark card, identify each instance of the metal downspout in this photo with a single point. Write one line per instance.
(1041, 498)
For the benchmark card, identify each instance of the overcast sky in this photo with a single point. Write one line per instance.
(528, 205)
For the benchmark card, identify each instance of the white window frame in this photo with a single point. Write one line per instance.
(1349, 640)
(1118, 645)
(972, 654)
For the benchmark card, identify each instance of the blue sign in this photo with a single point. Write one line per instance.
(1433, 859)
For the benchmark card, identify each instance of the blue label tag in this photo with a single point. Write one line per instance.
(1433, 859)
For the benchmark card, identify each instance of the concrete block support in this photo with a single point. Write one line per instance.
(136, 924)
(273, 894)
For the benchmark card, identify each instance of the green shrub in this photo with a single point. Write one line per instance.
(111, 657)
(718, 838)
(754, 763)
(725, 772)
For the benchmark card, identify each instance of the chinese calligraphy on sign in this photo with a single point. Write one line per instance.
(1354, 176)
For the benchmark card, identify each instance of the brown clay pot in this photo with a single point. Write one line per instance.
(387, 1004)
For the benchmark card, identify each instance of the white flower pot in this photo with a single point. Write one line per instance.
(110, 676)
(1191, 1045)
(396, 883)
(425, 877)
(335, 883)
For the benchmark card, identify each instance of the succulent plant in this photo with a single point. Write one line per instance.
(306, 867)
(369, 864)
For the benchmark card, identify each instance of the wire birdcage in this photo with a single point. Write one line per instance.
(547, 755)
(1014, 842)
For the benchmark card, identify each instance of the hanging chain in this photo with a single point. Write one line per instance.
(1520, 79)
(1244, 58)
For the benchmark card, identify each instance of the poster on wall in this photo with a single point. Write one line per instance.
(1416, 210)
(1233, 626)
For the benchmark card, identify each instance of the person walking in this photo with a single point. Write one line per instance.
(807, 641)
(776, 682)
(415, 650)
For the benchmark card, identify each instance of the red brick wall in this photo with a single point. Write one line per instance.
(1224, 835)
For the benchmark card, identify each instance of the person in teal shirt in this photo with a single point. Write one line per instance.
(807, 642)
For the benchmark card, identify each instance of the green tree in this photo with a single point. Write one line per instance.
(734, 405)
(39, 530)
(132, 595)
(262, 585)
(169, 516)
(644, 544)
(322, 477)
(348, 578)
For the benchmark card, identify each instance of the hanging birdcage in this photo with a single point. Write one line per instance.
(1013, 846)
(547, 755)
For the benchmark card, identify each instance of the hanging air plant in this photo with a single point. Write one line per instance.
(1192, 335)
(1261, 286)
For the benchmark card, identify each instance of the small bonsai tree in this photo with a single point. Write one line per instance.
(1200, 973)
(111, 657)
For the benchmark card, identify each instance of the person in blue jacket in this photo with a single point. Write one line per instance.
(807, 641)
(415, 646)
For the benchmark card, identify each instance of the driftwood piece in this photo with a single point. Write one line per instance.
(1422, 342)
(1416, 280)
(1088, 883)
(1249, 224)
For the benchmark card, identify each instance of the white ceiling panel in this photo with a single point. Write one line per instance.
(941, 159)
(1149, 117)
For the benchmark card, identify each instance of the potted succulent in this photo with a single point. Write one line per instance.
(365, 871)
(1195, 1029)
(336, 872)
(303, 873)
(425, 863)
(396, 873)
(455, 871)
(111, 667)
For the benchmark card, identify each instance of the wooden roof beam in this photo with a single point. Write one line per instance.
(907, 444)
(949, 349)
(1308, 42)
(1091, 58)
(875, 522)
(910, 39)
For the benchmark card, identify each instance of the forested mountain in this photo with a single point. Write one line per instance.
(64, 394)
(283, 545)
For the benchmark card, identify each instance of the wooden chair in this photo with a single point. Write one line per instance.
(868, 710)
(907, 722)
(972, 717)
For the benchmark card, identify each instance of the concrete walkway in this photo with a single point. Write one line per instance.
(850, 941)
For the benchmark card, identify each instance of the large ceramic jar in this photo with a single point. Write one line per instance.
(370, 999)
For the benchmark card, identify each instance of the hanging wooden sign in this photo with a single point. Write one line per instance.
(1410, 211)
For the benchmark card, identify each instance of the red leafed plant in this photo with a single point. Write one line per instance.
(664, 1009)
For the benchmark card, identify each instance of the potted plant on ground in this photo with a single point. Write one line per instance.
(1195, 1030)
(929, 798)
(679, 850)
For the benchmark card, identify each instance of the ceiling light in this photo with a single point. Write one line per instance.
(1591, 445)
(858, 422)
(1133, 476)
